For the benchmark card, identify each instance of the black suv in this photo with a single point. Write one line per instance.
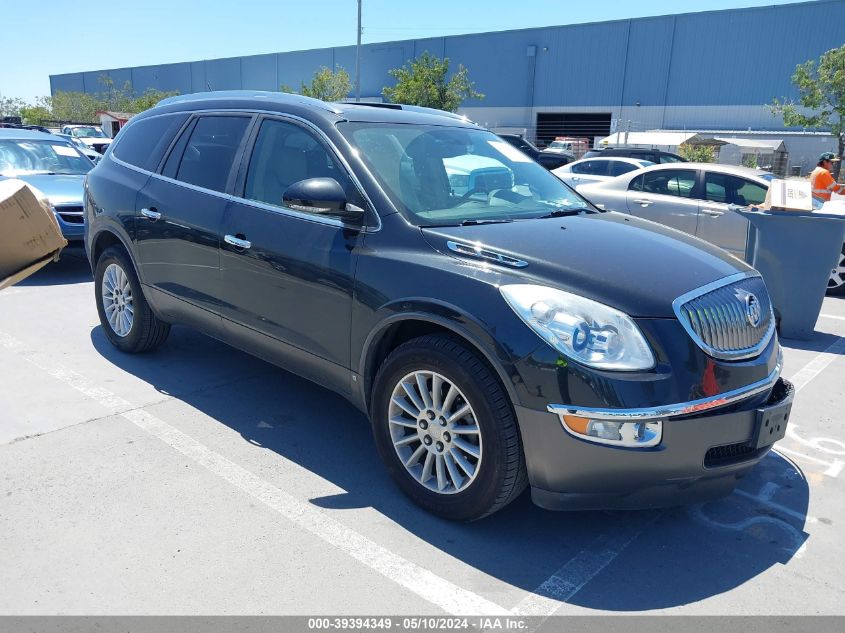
(549, 160)
(497, 329)
(656, 156)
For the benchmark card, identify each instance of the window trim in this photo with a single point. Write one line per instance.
(695, 191)
(189, 127)
(239, 184)
(118, 140)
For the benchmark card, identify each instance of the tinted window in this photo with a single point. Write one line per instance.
(668, 158)
(669, 182)
(285, 153)
(211, 150)
(142, 143)
(732, 190)
(591, 167)
(617, 168)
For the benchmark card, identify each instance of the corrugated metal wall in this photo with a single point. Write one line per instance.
(736, 57)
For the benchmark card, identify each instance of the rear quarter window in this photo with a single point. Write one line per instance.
(143, 143)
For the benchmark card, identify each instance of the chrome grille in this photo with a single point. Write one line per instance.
(719, 316)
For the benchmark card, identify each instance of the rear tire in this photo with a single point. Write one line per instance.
(125, 315)
(470, 465)
(836, 283)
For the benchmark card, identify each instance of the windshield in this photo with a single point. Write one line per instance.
(452, 175)
(87, 132)
(23, 157)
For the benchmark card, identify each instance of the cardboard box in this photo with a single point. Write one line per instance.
(789, 195)
(30, 236)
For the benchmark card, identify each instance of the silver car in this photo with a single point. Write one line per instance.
(588, 170)
(692, 197)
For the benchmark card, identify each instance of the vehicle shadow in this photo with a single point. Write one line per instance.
(675, 556)
(820, 342)
(72, 268)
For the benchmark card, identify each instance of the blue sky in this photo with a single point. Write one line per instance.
(75, 35)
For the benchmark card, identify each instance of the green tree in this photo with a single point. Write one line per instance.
(326, 85)
(423, 83)
(38, 112)
(821, 102)
(11, 106)
(697, 153)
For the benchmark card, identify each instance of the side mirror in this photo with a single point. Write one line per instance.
(324, 196)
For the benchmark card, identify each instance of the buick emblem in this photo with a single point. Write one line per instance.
(752, 309)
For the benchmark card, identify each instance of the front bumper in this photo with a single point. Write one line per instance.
(72, 231)
(701, 455)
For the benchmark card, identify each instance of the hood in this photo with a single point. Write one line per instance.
(633, 265)
(57, 189)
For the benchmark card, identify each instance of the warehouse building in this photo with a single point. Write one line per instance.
(709, 71)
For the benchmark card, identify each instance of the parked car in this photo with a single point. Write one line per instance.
(84, 149)
(652, 155)
(54, 167)
(696, 198)
(477, 175)
(91, 135)
(588, 170)
(549, 160)
(518, 338)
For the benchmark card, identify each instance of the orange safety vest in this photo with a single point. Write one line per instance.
(823, 184)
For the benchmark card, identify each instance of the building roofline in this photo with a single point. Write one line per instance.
(767, 7)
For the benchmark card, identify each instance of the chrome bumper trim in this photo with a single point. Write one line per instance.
(671, 410)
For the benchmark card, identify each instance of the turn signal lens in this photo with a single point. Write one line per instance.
(629, 433)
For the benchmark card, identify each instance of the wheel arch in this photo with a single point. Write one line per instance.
(398, 328)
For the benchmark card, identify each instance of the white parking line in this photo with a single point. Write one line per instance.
(819, 363)
(583, 567)
(422, 582)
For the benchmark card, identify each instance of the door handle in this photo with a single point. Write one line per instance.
(713, 213)
(151, 213)
(575, 178)
(237, 242)
(644, 201)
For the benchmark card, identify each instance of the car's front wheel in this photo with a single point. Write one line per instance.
(445, 429)
(836, 283)
(125, 315)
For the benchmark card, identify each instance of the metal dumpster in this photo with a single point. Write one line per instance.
(795, 252)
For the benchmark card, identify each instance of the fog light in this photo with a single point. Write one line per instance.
(634, 433)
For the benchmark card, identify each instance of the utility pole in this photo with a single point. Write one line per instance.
(358, 58)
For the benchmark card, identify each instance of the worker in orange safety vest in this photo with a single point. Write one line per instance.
(821, 179)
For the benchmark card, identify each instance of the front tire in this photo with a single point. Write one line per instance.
(836, 283)
(444, 426)
(125, 315)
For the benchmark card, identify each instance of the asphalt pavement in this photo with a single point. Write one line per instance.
(201, 480)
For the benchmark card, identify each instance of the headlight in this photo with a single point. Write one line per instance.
(584, 330)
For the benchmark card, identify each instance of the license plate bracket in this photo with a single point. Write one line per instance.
(772, 419)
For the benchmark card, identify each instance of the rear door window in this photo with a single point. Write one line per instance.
(618, 167)
(729, 189)
(211, 150)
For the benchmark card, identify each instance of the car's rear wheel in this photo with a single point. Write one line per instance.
(125, 315)
(445, 429)
(836, 283)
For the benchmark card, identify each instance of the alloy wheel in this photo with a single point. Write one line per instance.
(117, 300)
(435, 432)
(837, 275)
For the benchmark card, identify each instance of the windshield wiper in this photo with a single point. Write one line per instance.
(562, 213)
(474, 222)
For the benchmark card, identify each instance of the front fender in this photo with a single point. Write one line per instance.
(451, 318)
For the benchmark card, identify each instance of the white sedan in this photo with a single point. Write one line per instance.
(590, 170)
